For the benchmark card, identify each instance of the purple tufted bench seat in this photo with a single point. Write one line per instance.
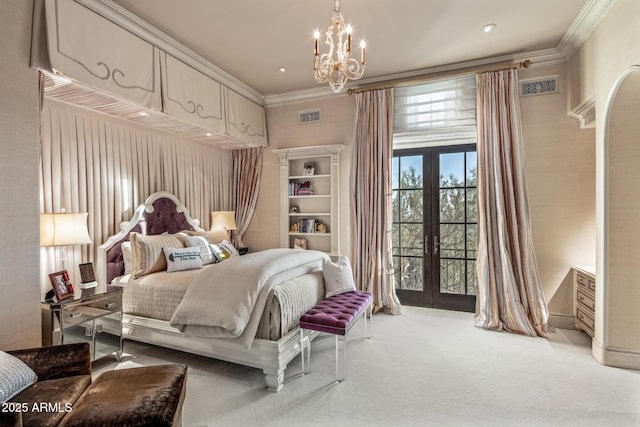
(335, 315)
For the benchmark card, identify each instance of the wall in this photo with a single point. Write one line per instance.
(608, 53)
(19, 220)
(560, 162)
(335, 127)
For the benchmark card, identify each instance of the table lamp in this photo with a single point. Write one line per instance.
(223, 220)
(62, 230)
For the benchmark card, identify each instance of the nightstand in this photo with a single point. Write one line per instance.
(95, 317)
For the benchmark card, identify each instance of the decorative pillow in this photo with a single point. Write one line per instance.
(15, 376)
(338, 277)
(182, 259)
(127, 256)
(203, 244)
(147, 252)
(217, 252)
(226, 245)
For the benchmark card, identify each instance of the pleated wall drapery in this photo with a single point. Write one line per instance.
(107, 167)
(370, 187)
(510, 294)
(247, 167)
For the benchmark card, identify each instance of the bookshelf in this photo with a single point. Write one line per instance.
(309, 197)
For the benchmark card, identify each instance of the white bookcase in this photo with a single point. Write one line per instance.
(309, 200)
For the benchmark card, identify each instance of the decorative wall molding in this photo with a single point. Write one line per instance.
(585, 113)
(587, 20)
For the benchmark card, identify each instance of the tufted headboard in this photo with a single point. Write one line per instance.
(161, 212)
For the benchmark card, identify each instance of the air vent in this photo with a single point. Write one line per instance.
(539, 86)
(309, 116)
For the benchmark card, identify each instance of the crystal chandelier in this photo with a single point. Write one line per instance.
(337, 66)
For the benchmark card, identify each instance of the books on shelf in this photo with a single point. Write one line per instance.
(308, 225)
(300, 189)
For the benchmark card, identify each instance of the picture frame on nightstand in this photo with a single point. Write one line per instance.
(61, 285)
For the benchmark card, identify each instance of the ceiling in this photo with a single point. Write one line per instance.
(251, 39)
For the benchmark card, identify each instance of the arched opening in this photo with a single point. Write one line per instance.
(617, 340)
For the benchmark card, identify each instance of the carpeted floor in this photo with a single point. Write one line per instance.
(425, 367)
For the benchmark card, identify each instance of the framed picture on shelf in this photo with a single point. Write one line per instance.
(309, 169)
(61, 284)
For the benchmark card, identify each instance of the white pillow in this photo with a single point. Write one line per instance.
(203, 243)
(15, 376)
(182, 259)
(225, 244)
(338, 277)
(127, 256)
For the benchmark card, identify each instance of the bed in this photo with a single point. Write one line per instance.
(191, 311)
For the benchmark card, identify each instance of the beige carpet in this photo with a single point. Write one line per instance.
(425, 367)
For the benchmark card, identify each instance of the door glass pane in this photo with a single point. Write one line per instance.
(411, 274)
(472, 240)
(395, 239)
(452, 170)
(412, 241)
(395, 205)
(472, 169)
(395, 176)
(397, 272)
(411, 172)
(452, 205)
(472, 284)
(452, 240)
(453, 276)
(472, 205)
(411, 206)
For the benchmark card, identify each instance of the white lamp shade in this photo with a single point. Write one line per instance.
(223, 220)
(59, 229)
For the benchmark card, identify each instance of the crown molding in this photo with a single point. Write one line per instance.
(127, 20)
(543, 56)
(587, 20)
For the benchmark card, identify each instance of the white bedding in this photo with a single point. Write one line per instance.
(220, 302)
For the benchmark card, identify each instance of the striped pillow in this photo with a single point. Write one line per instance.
(147, 252)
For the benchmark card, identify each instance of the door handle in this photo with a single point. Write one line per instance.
(426, 244)
(436, 245)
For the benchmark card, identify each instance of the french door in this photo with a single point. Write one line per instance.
(435, 226)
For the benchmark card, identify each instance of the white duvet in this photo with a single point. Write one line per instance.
(227, 301)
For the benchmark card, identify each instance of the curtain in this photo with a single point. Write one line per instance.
(107, 167)
(370, 187)
(247, 167)
(510, 295)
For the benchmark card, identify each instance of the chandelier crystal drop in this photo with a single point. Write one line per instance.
(337, 66)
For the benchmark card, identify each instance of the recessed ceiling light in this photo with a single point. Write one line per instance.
(208, 134)
(144, 114)
(489, 27)
(282, 69)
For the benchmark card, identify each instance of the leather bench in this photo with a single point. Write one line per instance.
(335, 315)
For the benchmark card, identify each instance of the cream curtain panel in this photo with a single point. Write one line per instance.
(370, 187)
(247, 168)
(510, 295)
(107, 167)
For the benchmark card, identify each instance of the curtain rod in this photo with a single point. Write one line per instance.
(467, 72)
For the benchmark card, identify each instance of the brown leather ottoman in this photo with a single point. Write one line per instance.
(146, 396)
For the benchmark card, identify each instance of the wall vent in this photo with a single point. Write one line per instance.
(539, 86)
(308, 116)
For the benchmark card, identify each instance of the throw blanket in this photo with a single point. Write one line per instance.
(227, 301)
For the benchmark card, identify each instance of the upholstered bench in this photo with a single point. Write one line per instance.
(335, 315)
(149, 396)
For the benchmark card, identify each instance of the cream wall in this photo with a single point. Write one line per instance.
(19, 218)
(335, 127)
(560, 162)
(606, 55)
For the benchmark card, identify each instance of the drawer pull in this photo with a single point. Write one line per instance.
(110, 305)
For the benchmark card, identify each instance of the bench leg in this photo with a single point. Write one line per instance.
(302, 347)
(340, 356)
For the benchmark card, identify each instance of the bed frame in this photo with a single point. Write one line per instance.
(163, 212)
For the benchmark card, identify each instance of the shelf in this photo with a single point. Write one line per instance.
(312, 196)
(309, 234)
(296, 177)
(310, 214)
